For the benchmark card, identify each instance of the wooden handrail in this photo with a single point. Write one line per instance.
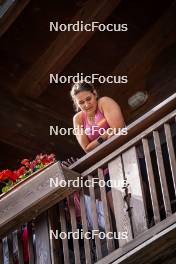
(129, 144)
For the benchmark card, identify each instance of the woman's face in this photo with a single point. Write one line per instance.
(86, 101)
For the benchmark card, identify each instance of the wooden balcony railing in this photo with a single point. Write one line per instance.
(142, 167)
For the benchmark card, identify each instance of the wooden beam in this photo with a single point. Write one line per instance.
(64, 47)
(13, 12)
(137, 63)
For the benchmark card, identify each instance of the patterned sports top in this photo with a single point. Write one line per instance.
(92, 129)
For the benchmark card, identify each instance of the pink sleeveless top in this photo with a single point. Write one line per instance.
(92, 129)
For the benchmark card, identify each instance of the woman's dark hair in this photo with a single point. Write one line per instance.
(80, 87)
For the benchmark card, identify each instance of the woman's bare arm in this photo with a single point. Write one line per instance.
(112, 112)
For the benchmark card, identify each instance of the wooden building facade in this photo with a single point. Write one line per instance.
(145, 204)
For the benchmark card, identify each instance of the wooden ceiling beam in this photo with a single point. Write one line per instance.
(62, 50)
(14, 11)
(137, 63)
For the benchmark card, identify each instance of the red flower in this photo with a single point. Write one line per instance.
(39, 157)
(25, 162)
(33, 164)
(51, 158)
(44, 160)
(15, 175)
(27, 166)
(6, 174)
(21, 170)
(3, 175)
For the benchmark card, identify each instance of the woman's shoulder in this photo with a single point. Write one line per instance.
(105, 100)
(77, 118)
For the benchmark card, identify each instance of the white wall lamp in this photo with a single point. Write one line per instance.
(138, 99)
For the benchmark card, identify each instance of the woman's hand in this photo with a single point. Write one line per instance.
(67, 163)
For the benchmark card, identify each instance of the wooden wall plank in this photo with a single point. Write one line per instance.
(121, 215)
(137, 200)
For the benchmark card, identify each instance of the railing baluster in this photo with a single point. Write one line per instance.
(64, 229)
(53, 222)
(151, 180)
(123, 223)
(42, 240)
(10, 247)
(110, 244)
(16, 236)
(162, 174)
(171, 152)
(1, 252)
(136, 192)
(95, 220)
(31, 244)
(85, 228)
(74, 229)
